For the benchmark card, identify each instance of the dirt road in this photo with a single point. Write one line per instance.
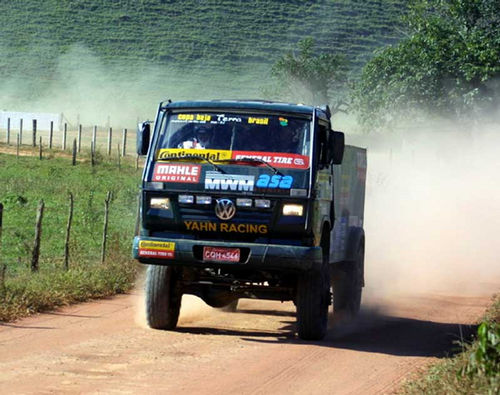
(104, 347)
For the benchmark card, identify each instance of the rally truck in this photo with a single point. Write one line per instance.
(250, 199)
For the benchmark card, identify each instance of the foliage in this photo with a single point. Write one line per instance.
(24, 182)
(304, 72)
(448, 64)
(475, 370)
(485, 358)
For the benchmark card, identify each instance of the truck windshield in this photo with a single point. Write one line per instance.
(278, 140)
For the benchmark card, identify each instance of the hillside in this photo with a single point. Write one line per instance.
(202, 42)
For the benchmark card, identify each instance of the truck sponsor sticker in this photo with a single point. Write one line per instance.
(215, 181)
(167, 172)
(276, 159)
(225, 227)
(258, 121)
(156, 249)
(213, 155)
(184, 118)
(276, 181)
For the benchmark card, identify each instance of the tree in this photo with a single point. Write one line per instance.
(303, 75)
(448, 64)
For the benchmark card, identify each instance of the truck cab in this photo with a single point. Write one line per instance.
(249, 199)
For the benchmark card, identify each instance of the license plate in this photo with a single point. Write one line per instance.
(221, 254)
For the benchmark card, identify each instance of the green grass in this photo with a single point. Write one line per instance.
(204, 37)
(27, 180)
(476, 370)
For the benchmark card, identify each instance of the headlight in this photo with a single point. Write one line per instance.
(244, 202)
(203, 199)
(262, 203)
(186, 199)
(160, 203)
(293, 209)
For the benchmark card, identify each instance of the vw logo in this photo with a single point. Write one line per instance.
(225, 209)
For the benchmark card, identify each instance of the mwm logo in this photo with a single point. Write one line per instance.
(215, 181)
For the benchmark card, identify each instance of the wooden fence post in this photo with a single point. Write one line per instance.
(68, 230)
(124, 142)
(34, 132)
(51, 134)
(94, 138)
(4, 267)
(38, 233)
(8, 131)
(92, 160)
(40, 148)
(1, 216)
(73, 159)
(2, 278)
(79, 137)
(17, 146)
(20, 131)
(110, 136)
(105, 230)
(65, 131)
(118, 158)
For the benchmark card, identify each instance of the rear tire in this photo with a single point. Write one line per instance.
(348, 284)
(163, 297)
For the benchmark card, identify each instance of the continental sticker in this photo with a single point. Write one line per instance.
(224, 227)
(169, 172)
(213, 155)
(157, 249)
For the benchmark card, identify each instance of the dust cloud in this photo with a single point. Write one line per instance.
(432, 211)
(91, 91)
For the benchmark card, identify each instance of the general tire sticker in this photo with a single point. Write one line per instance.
(276, 159)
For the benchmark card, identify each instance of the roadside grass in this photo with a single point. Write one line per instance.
(475, 370)
(27, 180)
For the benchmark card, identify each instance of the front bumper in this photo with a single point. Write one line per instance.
(253, 256)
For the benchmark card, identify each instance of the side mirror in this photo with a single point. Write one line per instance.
(143, 137)
(336, 147)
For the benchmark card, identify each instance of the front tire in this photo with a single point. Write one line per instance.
(313, 294)
(163, 297)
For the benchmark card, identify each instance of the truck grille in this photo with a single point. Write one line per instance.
(198, 213)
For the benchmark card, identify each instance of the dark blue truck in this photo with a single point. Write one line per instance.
(250, 199)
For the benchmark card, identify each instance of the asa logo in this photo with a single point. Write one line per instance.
(276, 181)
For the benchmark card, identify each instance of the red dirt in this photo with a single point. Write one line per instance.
(104, 347)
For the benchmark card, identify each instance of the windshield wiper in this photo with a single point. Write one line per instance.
(253, 160)
(195, 157)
